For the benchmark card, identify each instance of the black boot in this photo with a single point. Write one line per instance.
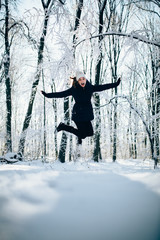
(67, 128)
(60, 127)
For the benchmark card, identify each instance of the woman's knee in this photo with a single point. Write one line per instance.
(91, 133)
(87, 134)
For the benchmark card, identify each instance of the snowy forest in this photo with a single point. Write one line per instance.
(42, 46)
(108, 187)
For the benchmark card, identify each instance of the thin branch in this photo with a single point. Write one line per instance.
(157, 2)
(148, 10)
(62, 2)
(43, 4)
(130, 35)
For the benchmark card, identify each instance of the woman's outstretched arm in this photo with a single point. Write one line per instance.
(99, 88)
(62, 94)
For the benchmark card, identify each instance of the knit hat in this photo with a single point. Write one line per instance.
(79, 75)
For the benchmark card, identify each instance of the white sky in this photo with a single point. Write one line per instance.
(29, 4)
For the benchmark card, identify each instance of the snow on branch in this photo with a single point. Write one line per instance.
(135, 109)
(121, 34)
(144, 123)
(132, 107)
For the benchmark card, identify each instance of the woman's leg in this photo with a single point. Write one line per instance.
(67, 128)
(85, 129)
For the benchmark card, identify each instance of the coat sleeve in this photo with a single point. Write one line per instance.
(62, 94)
(99, 88)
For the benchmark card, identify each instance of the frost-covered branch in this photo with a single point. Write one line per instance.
(143, 120)
(156, 2)
(121, 34)
(148, 10)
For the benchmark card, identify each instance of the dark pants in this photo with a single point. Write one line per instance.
(83, 130)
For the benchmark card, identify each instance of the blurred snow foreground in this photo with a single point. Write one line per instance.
(80, 201)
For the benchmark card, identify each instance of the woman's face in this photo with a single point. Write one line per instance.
(82, 82)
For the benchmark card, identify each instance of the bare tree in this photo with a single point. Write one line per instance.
(44, 121)
(63, 144)
(155, 101)
(118, 22)
(47, 7)
(8, 81)
(140, 114)
(7, 32)
(152, 30)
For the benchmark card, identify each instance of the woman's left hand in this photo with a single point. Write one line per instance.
(43, 93)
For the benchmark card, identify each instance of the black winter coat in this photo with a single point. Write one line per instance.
(82, 109)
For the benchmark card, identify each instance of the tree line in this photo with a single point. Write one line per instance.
(106, 39)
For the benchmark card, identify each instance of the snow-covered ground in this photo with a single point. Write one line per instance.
(80, 201)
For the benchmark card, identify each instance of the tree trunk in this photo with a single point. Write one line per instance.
(158, 121)
(63, 145)
(155, 107)
(8, 83)
(54, 104)
(114, 156)
(97, 149)
(44, 122)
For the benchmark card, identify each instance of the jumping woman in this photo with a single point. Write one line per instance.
(82, 112)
